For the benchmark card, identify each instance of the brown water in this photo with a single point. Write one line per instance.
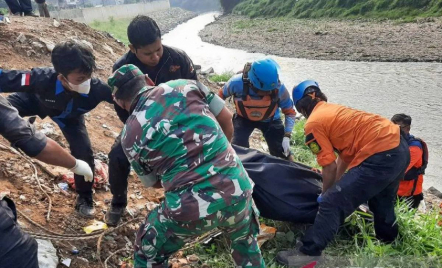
(384, 88)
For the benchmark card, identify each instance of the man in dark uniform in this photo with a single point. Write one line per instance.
(64, 93)
(18, 249)
(161, 63)
(18, 7)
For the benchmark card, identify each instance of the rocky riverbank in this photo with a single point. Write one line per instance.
(420, 41)
(170, 18)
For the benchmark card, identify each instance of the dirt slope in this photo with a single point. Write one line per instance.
(26, 43)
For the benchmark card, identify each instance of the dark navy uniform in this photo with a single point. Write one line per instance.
(39, 92)
(174, 64)
(17, 249)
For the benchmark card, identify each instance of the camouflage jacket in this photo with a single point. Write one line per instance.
(173, 135)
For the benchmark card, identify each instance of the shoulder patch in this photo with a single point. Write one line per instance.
(312, 144)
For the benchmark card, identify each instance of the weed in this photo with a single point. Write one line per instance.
(117, 27)
(398, 9)
(224, 77)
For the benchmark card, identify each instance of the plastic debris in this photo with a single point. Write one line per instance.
(66, 262)
(95, 226)
(63, 186)
(266, 233)
(101, 177)
(47, 254)
(75, 251)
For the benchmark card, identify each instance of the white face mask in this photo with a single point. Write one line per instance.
(82, 88)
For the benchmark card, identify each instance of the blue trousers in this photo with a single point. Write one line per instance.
(375, 180)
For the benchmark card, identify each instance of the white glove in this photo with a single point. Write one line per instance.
(286, 145)
(83, 169)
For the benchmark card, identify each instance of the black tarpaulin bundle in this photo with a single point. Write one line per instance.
(284, 190)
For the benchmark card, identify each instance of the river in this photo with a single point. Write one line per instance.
(384, 88)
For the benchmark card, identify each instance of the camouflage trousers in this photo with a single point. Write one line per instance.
(160, 237)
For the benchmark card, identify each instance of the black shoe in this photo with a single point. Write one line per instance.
(31, 14)
(16, 14)
(296, 259)
(113, 215)
(85, 206)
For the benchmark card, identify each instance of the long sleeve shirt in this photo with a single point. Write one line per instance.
(18, 131)
(53, 100)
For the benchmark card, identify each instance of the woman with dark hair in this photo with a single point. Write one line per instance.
(372, 151)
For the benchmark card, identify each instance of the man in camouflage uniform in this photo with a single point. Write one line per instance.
(173, 137)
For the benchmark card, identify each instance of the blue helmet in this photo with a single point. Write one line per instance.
(264, 75)
(299, 91)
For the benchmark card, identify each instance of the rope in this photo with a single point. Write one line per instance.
(34, 175)
(113, 254)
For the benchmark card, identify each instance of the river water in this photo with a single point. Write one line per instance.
(384, 88)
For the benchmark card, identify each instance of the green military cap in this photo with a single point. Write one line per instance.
(123, 75)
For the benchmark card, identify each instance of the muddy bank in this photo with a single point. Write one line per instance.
(330, 40)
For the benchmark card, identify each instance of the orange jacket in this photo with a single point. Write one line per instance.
(405, 187)
(353, 134)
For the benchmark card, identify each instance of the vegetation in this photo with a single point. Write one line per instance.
(117, 27)
(224, 77)
(391, 9)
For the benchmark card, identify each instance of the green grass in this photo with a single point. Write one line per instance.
(380, 9)
(118, 28)
(419, 243)
(4, 11)
(224, 77)
(301, 152)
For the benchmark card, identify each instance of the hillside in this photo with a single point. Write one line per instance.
(340, 8)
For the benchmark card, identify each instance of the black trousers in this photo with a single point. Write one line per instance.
(74, 130)
(375, 180)
(119, 169)
(24, 6)
(273, 134)
(17, 249)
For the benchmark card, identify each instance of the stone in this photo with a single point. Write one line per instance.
(435, 192)
(193, 258)
(21, 38)
(37, 45)
(87, 43)
(208, 71)
(56, 23)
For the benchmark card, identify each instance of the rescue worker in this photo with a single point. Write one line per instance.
(64, 93)
(18, 249)
(173, 139)
(258, 96)
(161, 63)
(410, 188)
(373, 151)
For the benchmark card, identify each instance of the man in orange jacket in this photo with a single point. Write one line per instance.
(410, 188)
(373, 151)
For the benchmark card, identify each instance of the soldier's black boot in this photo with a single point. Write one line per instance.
(85, 206)
(113, 215)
